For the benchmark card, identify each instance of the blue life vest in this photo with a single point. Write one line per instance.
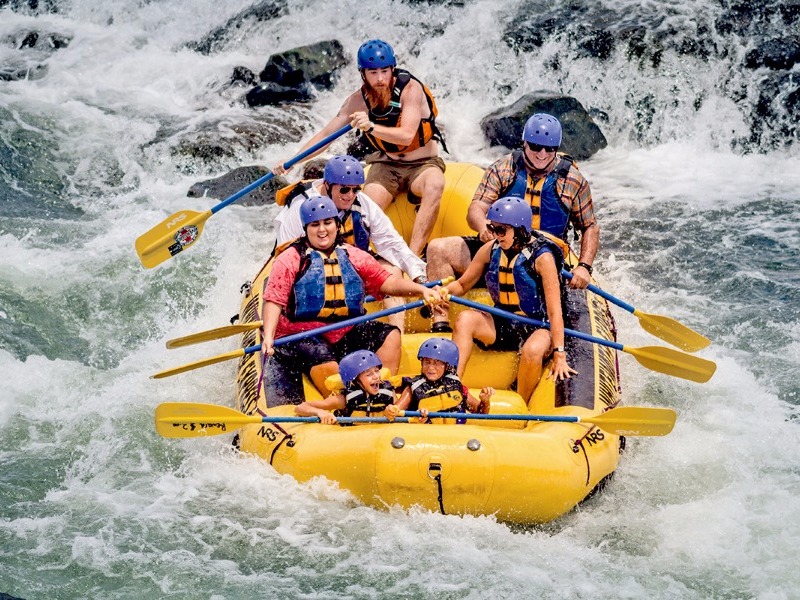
(513, 282)
(549, 213)
(326, 288)
(353, 229)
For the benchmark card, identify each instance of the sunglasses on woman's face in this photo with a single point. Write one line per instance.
(497, 229)
(538, 148)
(347, 189)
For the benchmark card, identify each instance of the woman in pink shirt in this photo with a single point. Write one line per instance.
(316, 281)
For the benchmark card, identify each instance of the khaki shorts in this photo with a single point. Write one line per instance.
(397, 176)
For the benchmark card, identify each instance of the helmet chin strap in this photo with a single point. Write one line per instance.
(533, 169)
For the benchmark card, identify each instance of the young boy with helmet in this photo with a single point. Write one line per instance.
(438, 388)
(365, 393)
(522, 271)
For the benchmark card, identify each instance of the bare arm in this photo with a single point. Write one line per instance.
(473, 273)
(270, 315)
(590, 242)
(322, 408)
(546, 268)
(476, 218)
(341, 119)
(399, 286)
(410, 116)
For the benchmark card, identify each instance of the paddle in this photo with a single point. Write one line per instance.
(665, 328)
(180, 230)
(229, 330)
(183, 419)
(287, 339)
(656, 358)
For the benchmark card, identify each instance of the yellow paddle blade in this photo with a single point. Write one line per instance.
(173, 235)
(672, 331)
(213, 334)
(183, 420)
(200, 363)
(673, 362)
(634, 420)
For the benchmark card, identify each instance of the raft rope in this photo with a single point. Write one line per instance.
(438, 480)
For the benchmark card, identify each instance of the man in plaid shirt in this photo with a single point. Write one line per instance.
(559, 196)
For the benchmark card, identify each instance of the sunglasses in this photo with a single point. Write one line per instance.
(498, 229)
(344, 189)
(539, 148)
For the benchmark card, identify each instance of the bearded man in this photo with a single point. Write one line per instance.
(396, 112)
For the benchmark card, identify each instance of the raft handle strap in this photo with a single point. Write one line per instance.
(437, 467)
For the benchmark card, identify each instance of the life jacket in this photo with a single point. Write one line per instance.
(444, 395)
(549, 213)
(513, 282)
(427, 130)
(285, 195)
(325, 288)
(353, 229)
(360, 404)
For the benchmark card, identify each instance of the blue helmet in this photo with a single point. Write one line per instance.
(511, 211)
(376, 54)
(317, 209)
(542, 129)
(441, 349)
(344, 170)
(355, 363)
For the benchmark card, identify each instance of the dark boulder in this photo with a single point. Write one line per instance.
(227, 185)
(270, 93)
(239, 26)
(315, 64)
(295, 75)
(214, 145)
(582, 137)
(777, 54)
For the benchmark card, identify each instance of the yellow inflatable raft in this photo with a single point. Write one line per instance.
(519, 471)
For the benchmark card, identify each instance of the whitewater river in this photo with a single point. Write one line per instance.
(95, 504)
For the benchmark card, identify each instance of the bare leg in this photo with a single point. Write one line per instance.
(471, 325)
(530, 363)
(389, 352)
(319, 373)
(429, 186)
(397, 319)
(446, 257)
(379, 194)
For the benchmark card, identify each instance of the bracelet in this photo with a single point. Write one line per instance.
(586, 266)
(371, 127)
(559, 349)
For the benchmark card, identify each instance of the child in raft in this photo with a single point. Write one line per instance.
(365, 394)
(437, 388)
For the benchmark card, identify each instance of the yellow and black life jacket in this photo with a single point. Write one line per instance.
(444, 395)
(360, 404)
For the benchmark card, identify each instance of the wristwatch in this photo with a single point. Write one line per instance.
(586, 266)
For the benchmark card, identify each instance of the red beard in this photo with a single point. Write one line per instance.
(377, 99)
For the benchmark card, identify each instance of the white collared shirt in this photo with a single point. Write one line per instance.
(384, 237)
